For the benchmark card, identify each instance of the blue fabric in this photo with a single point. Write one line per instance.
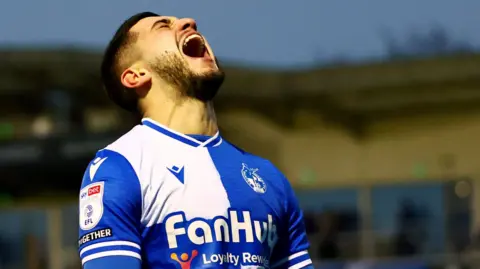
(120, 207)
(115, 262)
(161, 199)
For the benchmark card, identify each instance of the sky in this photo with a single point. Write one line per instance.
(277, 33)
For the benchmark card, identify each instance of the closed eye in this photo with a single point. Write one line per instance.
(162, 23)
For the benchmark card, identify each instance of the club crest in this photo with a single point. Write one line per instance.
(253, 179)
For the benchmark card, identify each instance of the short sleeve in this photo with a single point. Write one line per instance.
(110, 208)
(291, 250)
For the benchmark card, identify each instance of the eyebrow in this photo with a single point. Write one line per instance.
(160, 22)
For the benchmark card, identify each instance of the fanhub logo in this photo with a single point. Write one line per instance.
(221, 229)
(185, 260)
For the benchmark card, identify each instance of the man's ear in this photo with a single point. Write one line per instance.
(135, 78)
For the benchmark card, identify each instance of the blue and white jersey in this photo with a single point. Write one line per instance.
(156, 198)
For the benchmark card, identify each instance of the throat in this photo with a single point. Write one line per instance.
(191, 118)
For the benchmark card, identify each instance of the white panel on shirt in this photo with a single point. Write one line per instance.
(150, 153)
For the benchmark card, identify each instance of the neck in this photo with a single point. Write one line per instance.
(187, 116)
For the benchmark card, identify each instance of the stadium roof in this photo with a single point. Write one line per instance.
(73, 68)
(368, 88)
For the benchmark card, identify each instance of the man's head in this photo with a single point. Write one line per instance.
(149, 50)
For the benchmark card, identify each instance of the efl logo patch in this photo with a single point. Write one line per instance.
(91, 205)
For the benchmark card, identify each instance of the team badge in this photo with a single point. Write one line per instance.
(91, 205)
(253, 179)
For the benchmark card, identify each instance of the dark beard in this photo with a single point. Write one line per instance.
(174, 70)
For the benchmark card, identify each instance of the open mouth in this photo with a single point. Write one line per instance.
(194, 46)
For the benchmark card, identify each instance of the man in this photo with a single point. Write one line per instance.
(171, 193)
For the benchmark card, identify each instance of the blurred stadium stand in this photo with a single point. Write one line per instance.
(384, 156)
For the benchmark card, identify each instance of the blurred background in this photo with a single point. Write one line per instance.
(371, 108)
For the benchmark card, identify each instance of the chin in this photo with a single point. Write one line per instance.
(203, 66)
(207, 70)
(206, 84)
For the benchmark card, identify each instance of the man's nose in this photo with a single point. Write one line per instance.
(186, 23)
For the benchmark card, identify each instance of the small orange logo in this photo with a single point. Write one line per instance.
(185, 261)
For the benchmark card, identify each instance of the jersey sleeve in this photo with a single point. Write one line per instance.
(291, 250)
(110, 208)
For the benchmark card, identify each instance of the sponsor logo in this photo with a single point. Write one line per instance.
(223, 229)
(94, 190)
(185, 260)
(91, 205)
(178, 172)
(236, 260)
(237, 227)
(95, 235)
(253, 179)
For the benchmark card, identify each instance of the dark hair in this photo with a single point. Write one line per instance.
(111, 67)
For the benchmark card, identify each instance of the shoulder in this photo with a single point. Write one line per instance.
(109, 181)
(130, 149)
(116, 162)
(130, 145)
(108, 164)
(259, 163)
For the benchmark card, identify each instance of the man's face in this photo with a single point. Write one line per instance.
(178, 54)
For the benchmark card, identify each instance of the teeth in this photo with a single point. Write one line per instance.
(193, 37)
